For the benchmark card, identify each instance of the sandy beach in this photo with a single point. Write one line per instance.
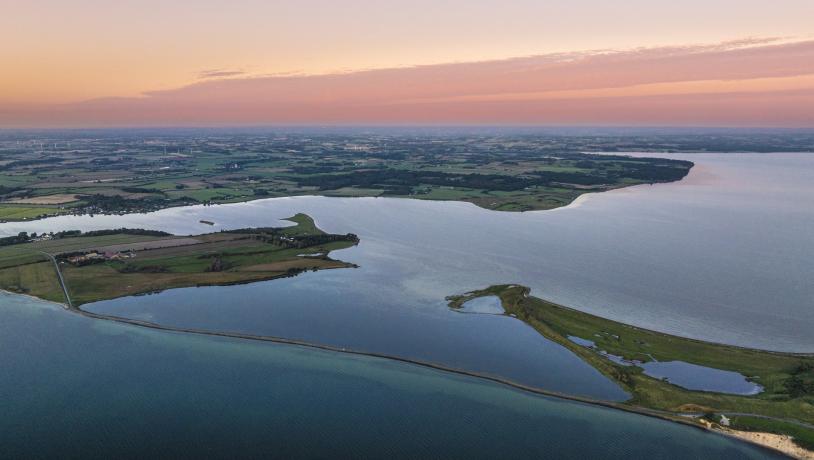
(779, 442)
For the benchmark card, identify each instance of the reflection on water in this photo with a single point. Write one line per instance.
(373, 320)
(725, 255)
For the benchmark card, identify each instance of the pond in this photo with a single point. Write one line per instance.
(489, 304)
(685, 375)
(695, 377)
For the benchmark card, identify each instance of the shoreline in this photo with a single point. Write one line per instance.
(580, 200)
(777, 442)
(654, 413)
(559, 323)
(32, 297)
(803, 354)
(576, 202)
(240, 254)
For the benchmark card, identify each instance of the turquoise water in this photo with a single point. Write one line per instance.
(71, 387)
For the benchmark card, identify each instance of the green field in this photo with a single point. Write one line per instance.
(788, 379)
(121, 175)
(11, 213)
(37, 279)
(120, 264)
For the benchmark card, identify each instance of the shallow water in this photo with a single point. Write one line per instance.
(72, 387)
(373, 320)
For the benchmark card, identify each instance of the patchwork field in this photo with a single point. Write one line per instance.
(121, 175)
(114, 263)
(46, 200)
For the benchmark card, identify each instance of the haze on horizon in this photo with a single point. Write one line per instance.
(211, 62)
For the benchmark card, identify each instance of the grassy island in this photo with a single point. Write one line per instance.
(78, 268)
(785, 406)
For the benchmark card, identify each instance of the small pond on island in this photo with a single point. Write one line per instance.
(695, 377)
(685, 375)
(489, 304)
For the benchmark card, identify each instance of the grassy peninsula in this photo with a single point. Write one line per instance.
(105, 264)
(785, 406)
(122, 173)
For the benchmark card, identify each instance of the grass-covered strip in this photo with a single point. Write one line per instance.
(37, 279)
(18, 212)
(779, 373)
(108, 264)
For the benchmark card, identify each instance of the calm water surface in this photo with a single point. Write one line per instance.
(490, 304)
(701, 378)
(683, 374)
(71, 387)
(725, 255)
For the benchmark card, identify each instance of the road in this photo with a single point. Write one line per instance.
(61, 279)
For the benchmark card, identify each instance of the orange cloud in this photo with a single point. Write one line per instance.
(751, 82)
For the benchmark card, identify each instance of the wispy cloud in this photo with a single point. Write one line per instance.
(219, 73)
(747, 82)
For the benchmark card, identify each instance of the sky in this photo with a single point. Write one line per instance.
(595, 62)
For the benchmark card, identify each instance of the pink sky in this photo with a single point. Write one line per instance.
(746, 83)
(225, 62)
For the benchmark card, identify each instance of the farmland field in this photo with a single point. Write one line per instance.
(114, 263)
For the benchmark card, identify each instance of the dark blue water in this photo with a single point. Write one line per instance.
(71, 387)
